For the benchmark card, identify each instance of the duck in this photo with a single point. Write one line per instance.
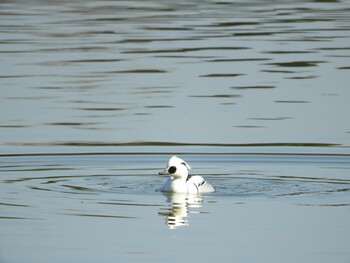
(180, 181)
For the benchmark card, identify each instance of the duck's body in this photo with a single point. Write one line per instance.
(180, 181)
(195, 184)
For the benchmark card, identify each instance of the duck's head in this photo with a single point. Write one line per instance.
(177, 168)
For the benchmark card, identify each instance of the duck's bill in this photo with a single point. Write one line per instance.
(165, 172)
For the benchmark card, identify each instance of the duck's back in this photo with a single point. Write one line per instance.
(201, 185)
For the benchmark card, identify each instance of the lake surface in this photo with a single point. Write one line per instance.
(95, 96)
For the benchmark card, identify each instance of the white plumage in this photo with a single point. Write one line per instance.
(180, 181)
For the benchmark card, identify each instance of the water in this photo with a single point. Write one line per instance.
(105, 207)
(97, 95)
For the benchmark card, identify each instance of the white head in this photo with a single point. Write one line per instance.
(177, 168)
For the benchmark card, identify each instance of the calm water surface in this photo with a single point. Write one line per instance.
(95, 96)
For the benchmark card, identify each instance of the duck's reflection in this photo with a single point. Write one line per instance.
(181, 205)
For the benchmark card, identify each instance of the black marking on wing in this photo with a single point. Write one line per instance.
(201, 183)
(196, 187)
(196, 184)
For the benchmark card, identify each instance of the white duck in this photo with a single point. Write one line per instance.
(180, 181)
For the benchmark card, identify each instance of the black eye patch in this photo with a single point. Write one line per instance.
(172, 169)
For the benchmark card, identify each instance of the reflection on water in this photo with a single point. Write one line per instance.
(95, 93)
(157, 71)
(90, 177)
(180, 206)
(113, 198)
